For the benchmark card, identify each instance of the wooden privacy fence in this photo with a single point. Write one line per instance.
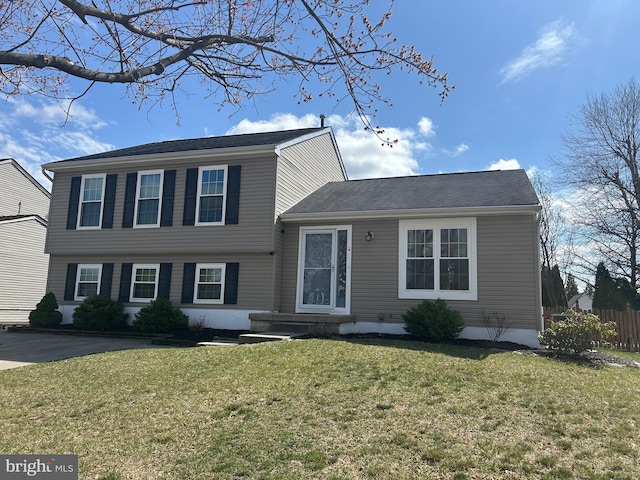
(628, 323)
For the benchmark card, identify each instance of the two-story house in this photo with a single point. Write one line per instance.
(24, 208)
(264, 231)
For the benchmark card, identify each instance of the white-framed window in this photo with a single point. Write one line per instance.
(438, 259)
(87, 281)
(91, 201)
(209, 284)
(144, 282)
(212, 192)
(148, 198)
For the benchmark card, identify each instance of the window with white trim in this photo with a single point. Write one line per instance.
(144, 282)
(438, 259)
(212, 190)
(148, 198)
(91, 201)
(209, 283)
(87, 281)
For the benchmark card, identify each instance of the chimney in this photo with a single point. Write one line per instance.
(322, 120)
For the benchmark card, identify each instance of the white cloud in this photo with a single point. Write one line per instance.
(363, 154)
(281, 121)
(37, 133)
(426, 127)
(57, 114)
(459, 150)
(548, 50)
(502, 164)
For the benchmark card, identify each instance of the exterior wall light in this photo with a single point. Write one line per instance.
(370, 236)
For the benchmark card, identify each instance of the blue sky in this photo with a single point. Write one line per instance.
(520, 69)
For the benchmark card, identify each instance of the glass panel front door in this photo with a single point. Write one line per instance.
(324, 270)
(318, 266)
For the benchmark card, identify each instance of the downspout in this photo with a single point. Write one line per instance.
(44, 172)
(538, 281)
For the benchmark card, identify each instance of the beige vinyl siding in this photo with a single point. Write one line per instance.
(23, 268)
(507, 270)
(254, 276)
(252, 234)
(19, 194)
(305, 167)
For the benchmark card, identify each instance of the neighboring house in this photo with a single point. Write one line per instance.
(582, 302)
(264, 231)
(24, 208)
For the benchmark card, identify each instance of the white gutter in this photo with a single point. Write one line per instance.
(415, 213)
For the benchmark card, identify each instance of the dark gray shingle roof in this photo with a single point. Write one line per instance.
(455, 190)
(206, 143)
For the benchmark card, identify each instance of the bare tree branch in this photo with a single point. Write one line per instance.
(238, 48)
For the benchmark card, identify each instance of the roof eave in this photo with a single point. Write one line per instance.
(249, 151)
(412, 213)
(25, 218)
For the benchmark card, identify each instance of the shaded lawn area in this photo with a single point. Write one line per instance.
(326, 409)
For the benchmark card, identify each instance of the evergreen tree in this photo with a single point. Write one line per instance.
(553, 294)
(607, 295)
(571, 287)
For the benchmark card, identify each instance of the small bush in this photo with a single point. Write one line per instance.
(46, 313)
(577, 333)
(433, 321)
(100, 313)
(496, 324)
(160, 316)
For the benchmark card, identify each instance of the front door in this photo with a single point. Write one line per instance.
(324, 270)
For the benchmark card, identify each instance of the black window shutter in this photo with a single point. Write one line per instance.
(190, 194)
(164, 280)
(168, 190)
(109, 200)
(231, 284)
(74, 200)
(125, 282)
(129, 200)
(188, 279)
(70, 283)
(233, 195)
(106, 280)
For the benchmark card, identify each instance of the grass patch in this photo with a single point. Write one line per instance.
(327, 410)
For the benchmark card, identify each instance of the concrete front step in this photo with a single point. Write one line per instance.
(300, 323)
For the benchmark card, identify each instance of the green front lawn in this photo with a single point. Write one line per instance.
(328, 410)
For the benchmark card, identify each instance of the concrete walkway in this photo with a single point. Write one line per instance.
(20, 349)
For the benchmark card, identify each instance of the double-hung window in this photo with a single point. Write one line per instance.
(148, 198)
(87, 281)
(209, 284)
(144, 282)
(212, 189)
(437, 259)
(91, 201)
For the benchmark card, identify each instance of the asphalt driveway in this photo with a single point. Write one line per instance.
(20, 349)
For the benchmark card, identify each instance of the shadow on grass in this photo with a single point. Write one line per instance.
(467, 349)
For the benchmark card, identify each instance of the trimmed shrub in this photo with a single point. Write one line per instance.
(577, 333)
(160, 316)
(100, 313)
(433, 321)
(46, 313)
